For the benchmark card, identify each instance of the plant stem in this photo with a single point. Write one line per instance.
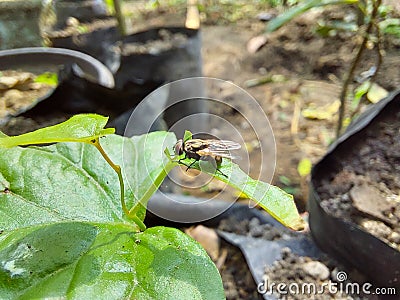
(379, 41)
(117, 169)
(348, 79)
(120, 17)
(156, 183)
(350, 73)
(378, 61)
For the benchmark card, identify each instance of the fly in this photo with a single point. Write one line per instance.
(206, 150)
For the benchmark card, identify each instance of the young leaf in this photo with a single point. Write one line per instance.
(63, 234)
(71, 181)
(80, 260)
(79, 128)
(275, 201)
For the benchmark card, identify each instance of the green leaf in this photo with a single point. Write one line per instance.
(297, 10)
(390, 26)
(47, 78)
(275, 201)
(285, 180)
(77, 260)
(63, 234)
(71, 181)
(79, 128)
(187, 136)
(359, 92)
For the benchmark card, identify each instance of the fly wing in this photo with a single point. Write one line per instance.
(220, 148)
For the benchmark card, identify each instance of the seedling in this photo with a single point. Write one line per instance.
(71, 228)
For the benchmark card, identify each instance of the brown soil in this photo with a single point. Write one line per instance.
(238, 282)
(254, 229)
(312, 66)
(366, 189)
(293, 270)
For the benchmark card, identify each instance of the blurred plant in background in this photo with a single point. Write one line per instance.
(373, 21)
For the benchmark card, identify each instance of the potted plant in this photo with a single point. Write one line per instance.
(74, 228)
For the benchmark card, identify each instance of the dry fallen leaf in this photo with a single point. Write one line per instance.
(256, 43)
(325, 112)
(376, 93)
(207, 237)
(369, 200)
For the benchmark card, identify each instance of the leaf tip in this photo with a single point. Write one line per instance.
(187, 136)
(298, 225)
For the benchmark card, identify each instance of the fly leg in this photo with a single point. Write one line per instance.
(211, 164)
(187, 166)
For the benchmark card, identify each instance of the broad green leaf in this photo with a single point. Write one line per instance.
(275, 201)
(297, 10)
(78, 260)
(79, 128)
(63, 234)
(71, 181)
(150, 166)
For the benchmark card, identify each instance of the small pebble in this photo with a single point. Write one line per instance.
(317, 270)
(394, 237)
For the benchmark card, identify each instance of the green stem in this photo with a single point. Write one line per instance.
(156, 183)
(350, 73)
(117, 169)
(120, 17)
(379, 60)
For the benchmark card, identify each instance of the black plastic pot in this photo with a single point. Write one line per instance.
(181, 60)
(176, 62)
(151, 69)
(83, 10)
(97, 43)
(343, 239)
(19, 24)
(85, 85)
(38, 60)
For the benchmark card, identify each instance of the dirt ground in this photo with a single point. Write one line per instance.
(313, 67)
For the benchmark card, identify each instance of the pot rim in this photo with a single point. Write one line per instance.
(32, 56)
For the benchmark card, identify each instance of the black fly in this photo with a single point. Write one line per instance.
(206, 150)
